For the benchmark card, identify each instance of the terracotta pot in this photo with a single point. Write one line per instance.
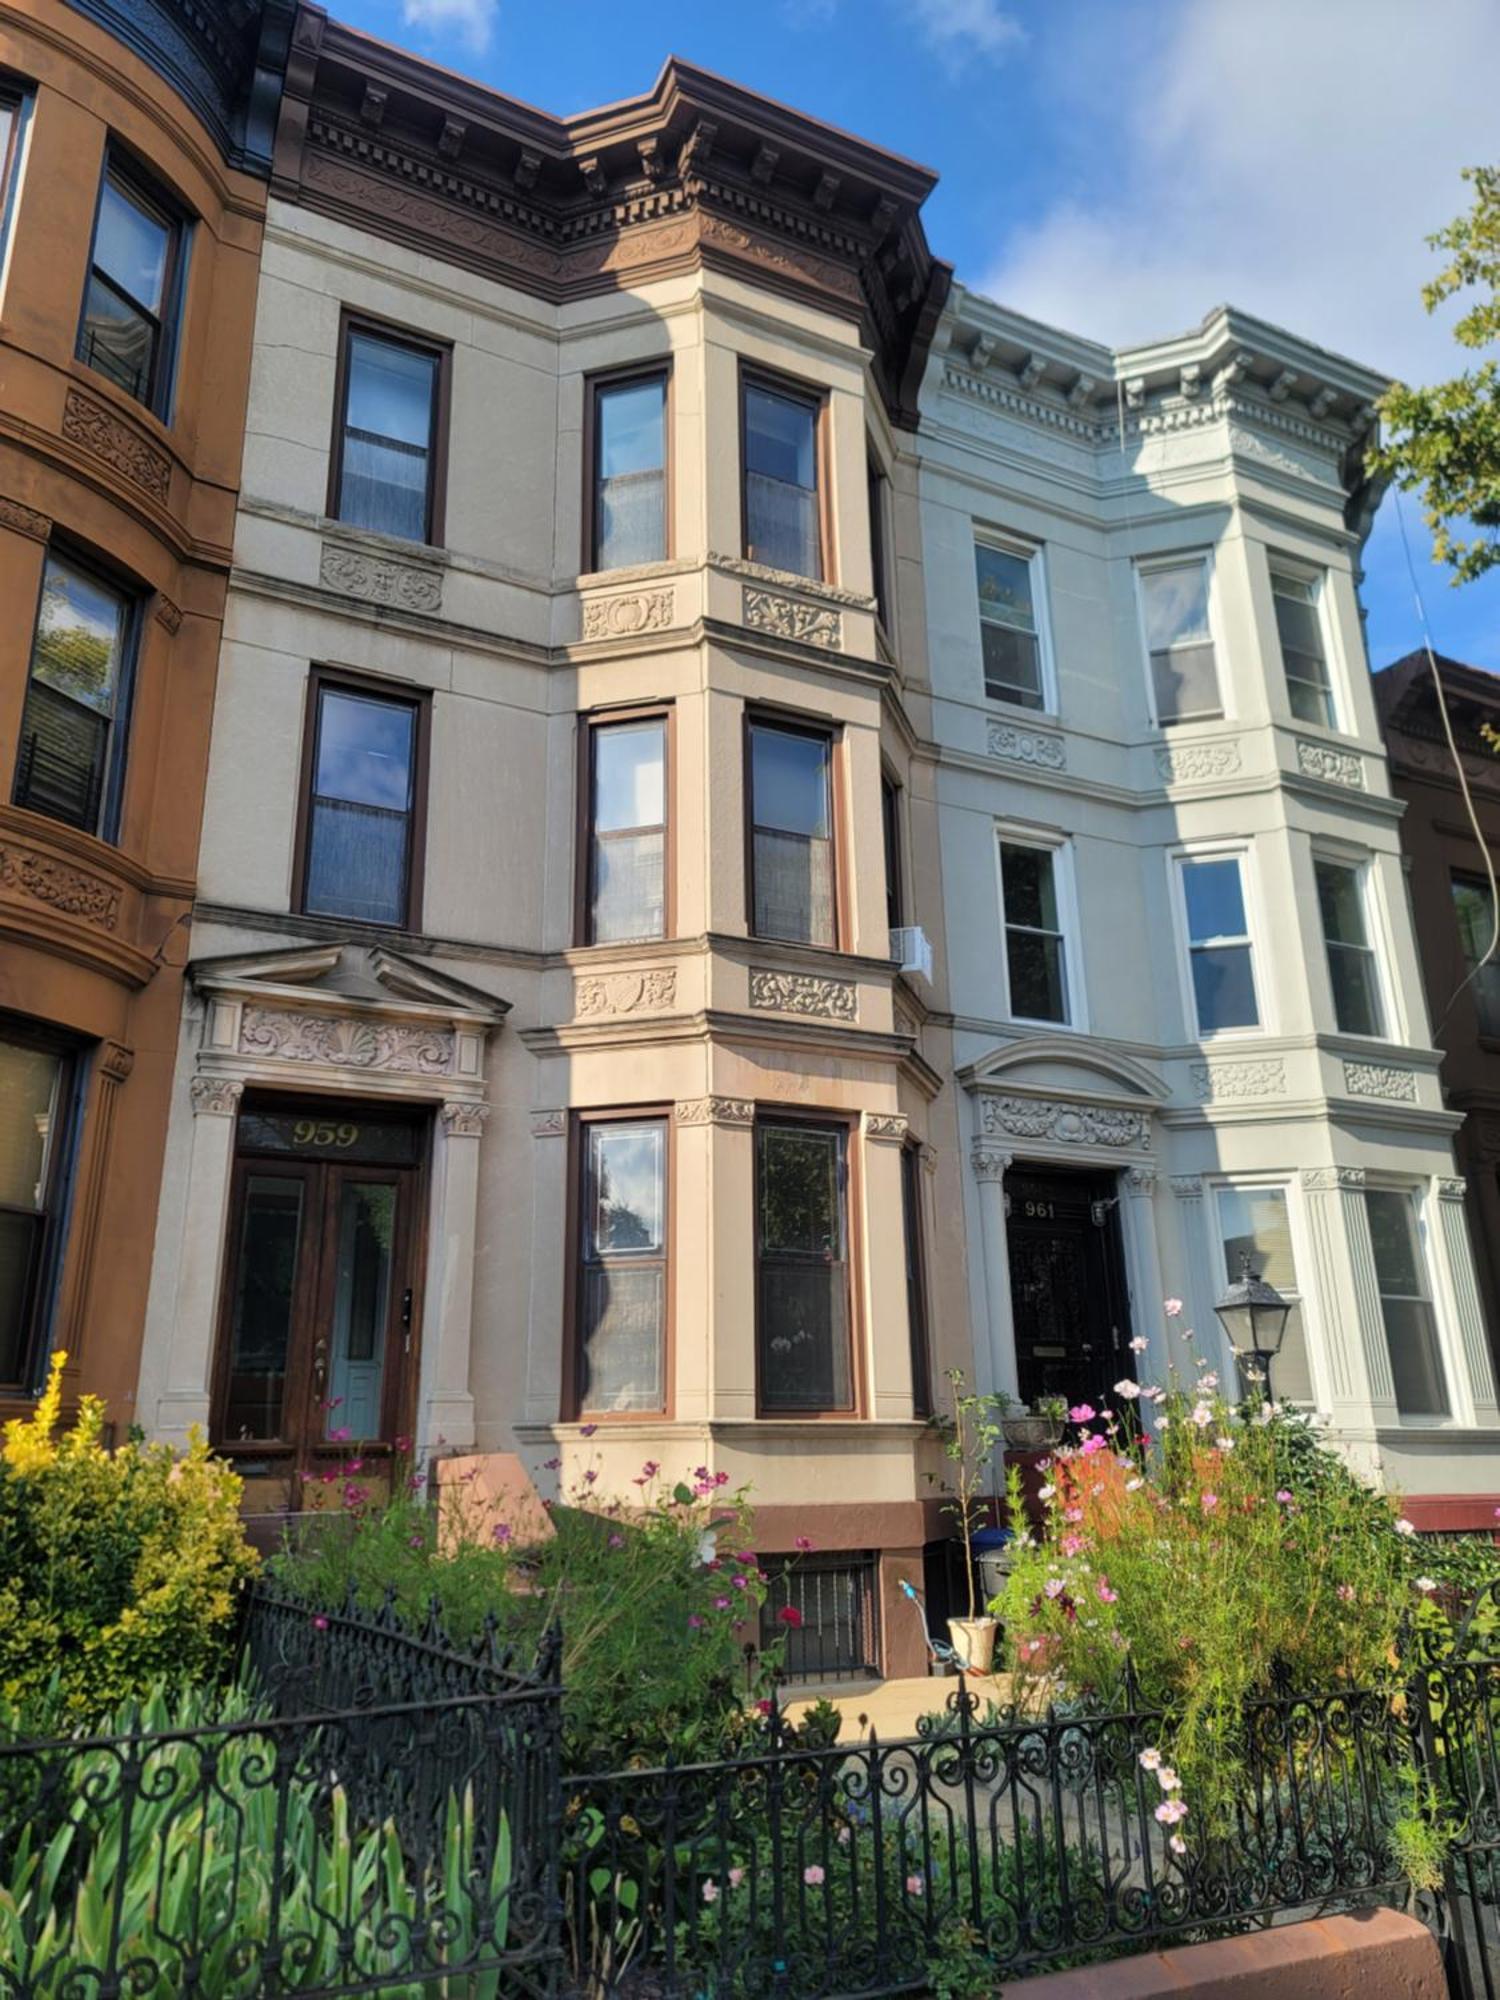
(973, 1639)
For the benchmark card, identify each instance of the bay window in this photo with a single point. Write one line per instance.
(1179, 640)
(71, 762)
(621, 1351)
(1304, 657)
(1411, 1335)
(630, 485)
(1220, 954)
(781, 505)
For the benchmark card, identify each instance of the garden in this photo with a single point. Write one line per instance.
(428, 1749)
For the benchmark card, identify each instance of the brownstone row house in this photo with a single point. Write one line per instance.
(134, 152)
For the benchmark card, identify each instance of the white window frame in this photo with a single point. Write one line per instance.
(1294, 567)
(1059, 846)
(1034, 555)
(1302, 1296)
(1144, 566)
(1373, 910)
(1421, 1198)
(1242, 851)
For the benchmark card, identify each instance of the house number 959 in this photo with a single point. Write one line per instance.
(312, 1132)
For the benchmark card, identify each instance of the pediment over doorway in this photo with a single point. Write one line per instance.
(1058, 1062)
(1047, 1096)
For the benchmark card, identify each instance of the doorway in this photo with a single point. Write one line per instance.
(317, 1348)
(1069, 1302)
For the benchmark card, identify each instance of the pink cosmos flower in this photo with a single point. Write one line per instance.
(710, 1892)
(320, 1623)
(1081, 1413)
(915, 1885)
(1209, 1502)
(1405, 1528)
(695, 1623)
(1139, 1344)
(502, 1532)
(1150, 1760)
(1054, 1586)
(1072, 1513)
(736, 1876)
(1071, 1544)
(721, 1604)
(1177, 1844)
(1284, 1496)
(1047, 1493)
(1168, 1779)
(1128, 1389)
(1092, 1444)
(1134, 1485)
(789, 1616)
(1171, 1812)
(616, 1542)
(1104, 1593)
(802, 1544)
(341, 1435)
(813, 1876)
(1346, 1592)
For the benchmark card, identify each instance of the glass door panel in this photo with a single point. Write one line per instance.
(263, 1306)
(364, 1250)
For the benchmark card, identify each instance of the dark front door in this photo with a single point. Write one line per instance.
(316, 1338)
(1067, 1285)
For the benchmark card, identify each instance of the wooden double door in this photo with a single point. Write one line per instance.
(318, 1332)
(1069, 1302)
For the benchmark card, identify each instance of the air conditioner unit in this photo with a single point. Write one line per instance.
(911, 948)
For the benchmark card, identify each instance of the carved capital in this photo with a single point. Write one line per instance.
(1140, 1181)
(115, 1061)
(890, 1128)
(464, 1117)
(216, 1096)
(1450, 1187)
(24, 520)
(990, 1164)
(716, 1111)
(1323, 1180)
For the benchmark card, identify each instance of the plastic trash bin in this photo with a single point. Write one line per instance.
(992, 1560)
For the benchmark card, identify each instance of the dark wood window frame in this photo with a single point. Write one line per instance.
(354, 321)
(830, 732)
(918, 1317)
(892, 800)
(590, 722)
(816, 398)
(579, 1123)
(397, 693)
(111, 804)
(615, 378)
(878, 488)
(44, 1279)
(143, 186)
(847, 1125)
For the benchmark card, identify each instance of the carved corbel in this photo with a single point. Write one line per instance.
(527, 167)
(653, 166)
(1032, 371)
(451, 138)
(1190, 380)
(695, 153)
(1082, 392)
(372, 104)
(763, 166)
(593, 175)
(1234, 370)
(1135, 392)
(982, 353)
(1283, 386)
(826, 193)
(1322, 403)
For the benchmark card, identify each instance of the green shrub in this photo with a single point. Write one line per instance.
(118, 1569)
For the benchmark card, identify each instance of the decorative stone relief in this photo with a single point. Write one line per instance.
(812, 624)
(826, 593)
(1322, 1180)
(716, 1111)
(70, 890)
(1369, 1079)
(24, 520)
(621, 617)
(625, 992)
(1450, 1187)
(889, 1127)
(378, 580)
(1140, 1181)
(929, 1158)
(989, 1165)
(216, 1096)
(108, 437)
(115, 1061)
(549, 1124)
(803, 993)
(1028, 746)
(1188, 1187)
(1195, 763)
(1070, 1124)
(1335, 767)
(1250, 1077)
(168, 614)
(347, 1042)
(464, 1118)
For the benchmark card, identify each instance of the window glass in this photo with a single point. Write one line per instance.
(916, 1282)
(30, 1113)
(1303, 658)
(627, 880)
(1219, 944)
(124, 334)
(360, 819)
(803, 1321)
(792, 846)
(876, 484)
(69, 741)
(1034, 946)
(630, 521)
(781, 481)
(890, 829)
(1007, 627)
(1254, 1223)
(622, 1328)
(131, 246)
(1184, 676)
(1406, 1304)
(1473, 909)
(1351, 961)
(390, 398)
(264, 1302)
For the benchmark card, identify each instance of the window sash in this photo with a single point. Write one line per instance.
(1299, 629)
(1221, 965)
(629, 509)
(359, 854)
(793, 881)
(916, 1282)
(890, 829)
(620, 1359)
(1183, 658)
(1273, 1257)
(59, 772)
(627, 882)
(387, 484)
(876, 484)
(782, 516)
(803, 1332)
(34, 1167)
(146, 382)
(1353, 970)
(1406, 1305)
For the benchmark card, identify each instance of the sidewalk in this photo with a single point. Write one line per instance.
(892, 1708)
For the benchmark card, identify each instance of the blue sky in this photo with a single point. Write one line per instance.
(1117, 167)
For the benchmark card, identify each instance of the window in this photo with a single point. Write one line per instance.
(11, 120)
(630, 472)
(1304, 658)
(1008, 629)
(1035, 950)
(783, 528)
(627, 830)
(916, 1281)
(1184, 679)
(622, 1310)
(385, 459)
(803, 1279)
(1254, 1223)
(130, 306)
(72, 751)
(1352, 971)
(877, 487)
(791, 834)
(890, 828)
(1474, 908)
(835, 1637)
(1406, 1304)
(362, 811)
(36, 1107)
(1218, 932)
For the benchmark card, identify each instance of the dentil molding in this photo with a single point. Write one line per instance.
(803, 993)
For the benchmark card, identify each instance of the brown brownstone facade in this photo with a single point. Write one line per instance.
(130, 223)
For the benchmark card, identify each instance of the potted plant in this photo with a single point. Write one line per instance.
(1035, 1429)
(970, 1436)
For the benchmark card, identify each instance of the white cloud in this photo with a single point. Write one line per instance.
(1285, 157)
(470, 20)
(959, 30)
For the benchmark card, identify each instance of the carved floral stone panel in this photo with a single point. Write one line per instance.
(1027, 746)
(1249, 1077)
(625, 992)
(549, 1124)
(1335, 767)
(803, 993)
(69, 890)
(785, 618)
(716, 1111)
(24, 520)
(398, 1047)
(1195, 763)
(890, 1127)
(622, 617)
(379, 580)
(1371, 1079)
(117, 443)
(1071, 1124)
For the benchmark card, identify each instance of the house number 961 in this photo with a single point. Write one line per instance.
(1044, 1211)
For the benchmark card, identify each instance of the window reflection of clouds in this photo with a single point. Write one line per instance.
(364, 751)
(390, 390)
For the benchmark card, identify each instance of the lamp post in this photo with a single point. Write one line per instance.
(1253, 1315)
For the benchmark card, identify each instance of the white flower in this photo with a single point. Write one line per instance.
(1405, 1528)
(1046, 1492)
(1151, 1760)
(708, 1547)
(1177, 1844)
(1224, 1444)
(1163, 1423)
(1128, 1389)
(1134, 1485)
(1140, 1344)
(1168, 1779)
(1171, 1307)
(1426, 1583)
(1208, 1381)
(1201, 1415)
